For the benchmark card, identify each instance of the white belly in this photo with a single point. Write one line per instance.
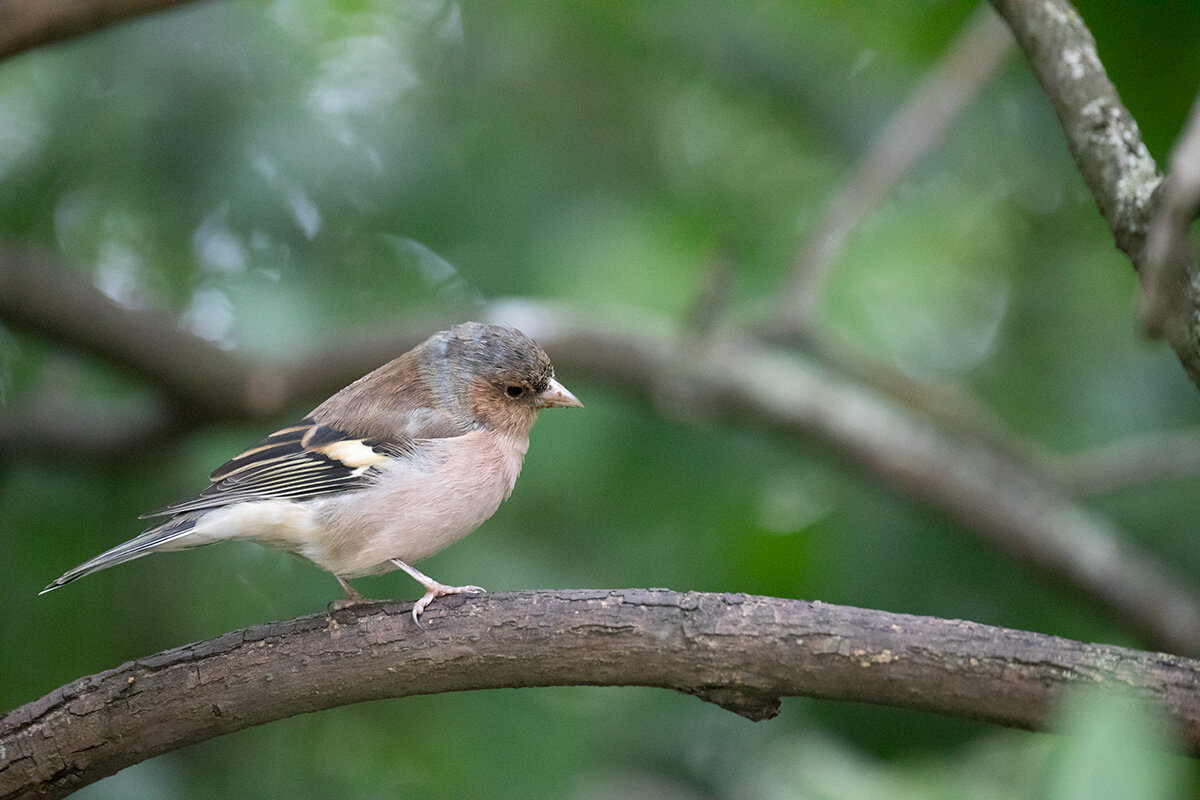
(418, 506)
(281, 523)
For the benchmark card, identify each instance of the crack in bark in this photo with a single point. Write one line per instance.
(741, 652)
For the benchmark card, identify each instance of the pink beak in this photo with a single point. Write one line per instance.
(557, 395)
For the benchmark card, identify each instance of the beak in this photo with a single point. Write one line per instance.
(557, 395)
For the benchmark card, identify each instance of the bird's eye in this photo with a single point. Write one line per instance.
(515, 391)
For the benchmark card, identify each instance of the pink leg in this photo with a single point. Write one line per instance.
(432, 588)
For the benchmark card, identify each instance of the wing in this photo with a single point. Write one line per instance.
(305, 460)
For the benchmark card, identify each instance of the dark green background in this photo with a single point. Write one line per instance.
(285, 176)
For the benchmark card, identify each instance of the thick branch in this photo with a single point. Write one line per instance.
(739, 651)
(26, 24)
(1101, 133)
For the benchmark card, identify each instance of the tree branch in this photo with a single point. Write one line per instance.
(199, 381)
(1009, 502)
(1105, 142)
(39, 298)
(1133, 461)
(741, 652)
(1169, 299)
(26, 24)
(1101, 133)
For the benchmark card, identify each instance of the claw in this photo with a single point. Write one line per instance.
(433, 589)
(439, 590)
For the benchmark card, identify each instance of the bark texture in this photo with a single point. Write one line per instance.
(1107, 146)
(741, 652)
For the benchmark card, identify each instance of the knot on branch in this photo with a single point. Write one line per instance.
(753, 705)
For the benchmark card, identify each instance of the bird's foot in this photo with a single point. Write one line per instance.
(334, 606)
(440, 590)
(351, 600)
(433, 589)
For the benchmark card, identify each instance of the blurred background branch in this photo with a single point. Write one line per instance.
(969, 63)
(204, 381)
(1011, 502)
(1134, 461)
(1169, 276)
(1107, 147)
(186, 237)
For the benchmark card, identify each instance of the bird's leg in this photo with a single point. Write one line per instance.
(351, 593)
(353, 598)
(432, 588)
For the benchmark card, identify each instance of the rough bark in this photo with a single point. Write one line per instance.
(1101, 134)
(741, 652)
(1107, 146)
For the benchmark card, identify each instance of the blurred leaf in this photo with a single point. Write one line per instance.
(1113, 746)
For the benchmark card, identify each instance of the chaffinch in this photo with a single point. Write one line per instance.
(390, 470)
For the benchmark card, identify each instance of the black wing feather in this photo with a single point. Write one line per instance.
(304, 460)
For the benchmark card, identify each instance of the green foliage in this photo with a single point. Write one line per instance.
(286, 176)
(1112, 747)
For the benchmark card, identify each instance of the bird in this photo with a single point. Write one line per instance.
(393, 468)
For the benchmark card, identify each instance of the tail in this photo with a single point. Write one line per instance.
(157, 538)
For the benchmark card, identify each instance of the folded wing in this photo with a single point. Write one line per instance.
(304, 460)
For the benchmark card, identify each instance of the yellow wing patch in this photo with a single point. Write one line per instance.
(354, 453)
